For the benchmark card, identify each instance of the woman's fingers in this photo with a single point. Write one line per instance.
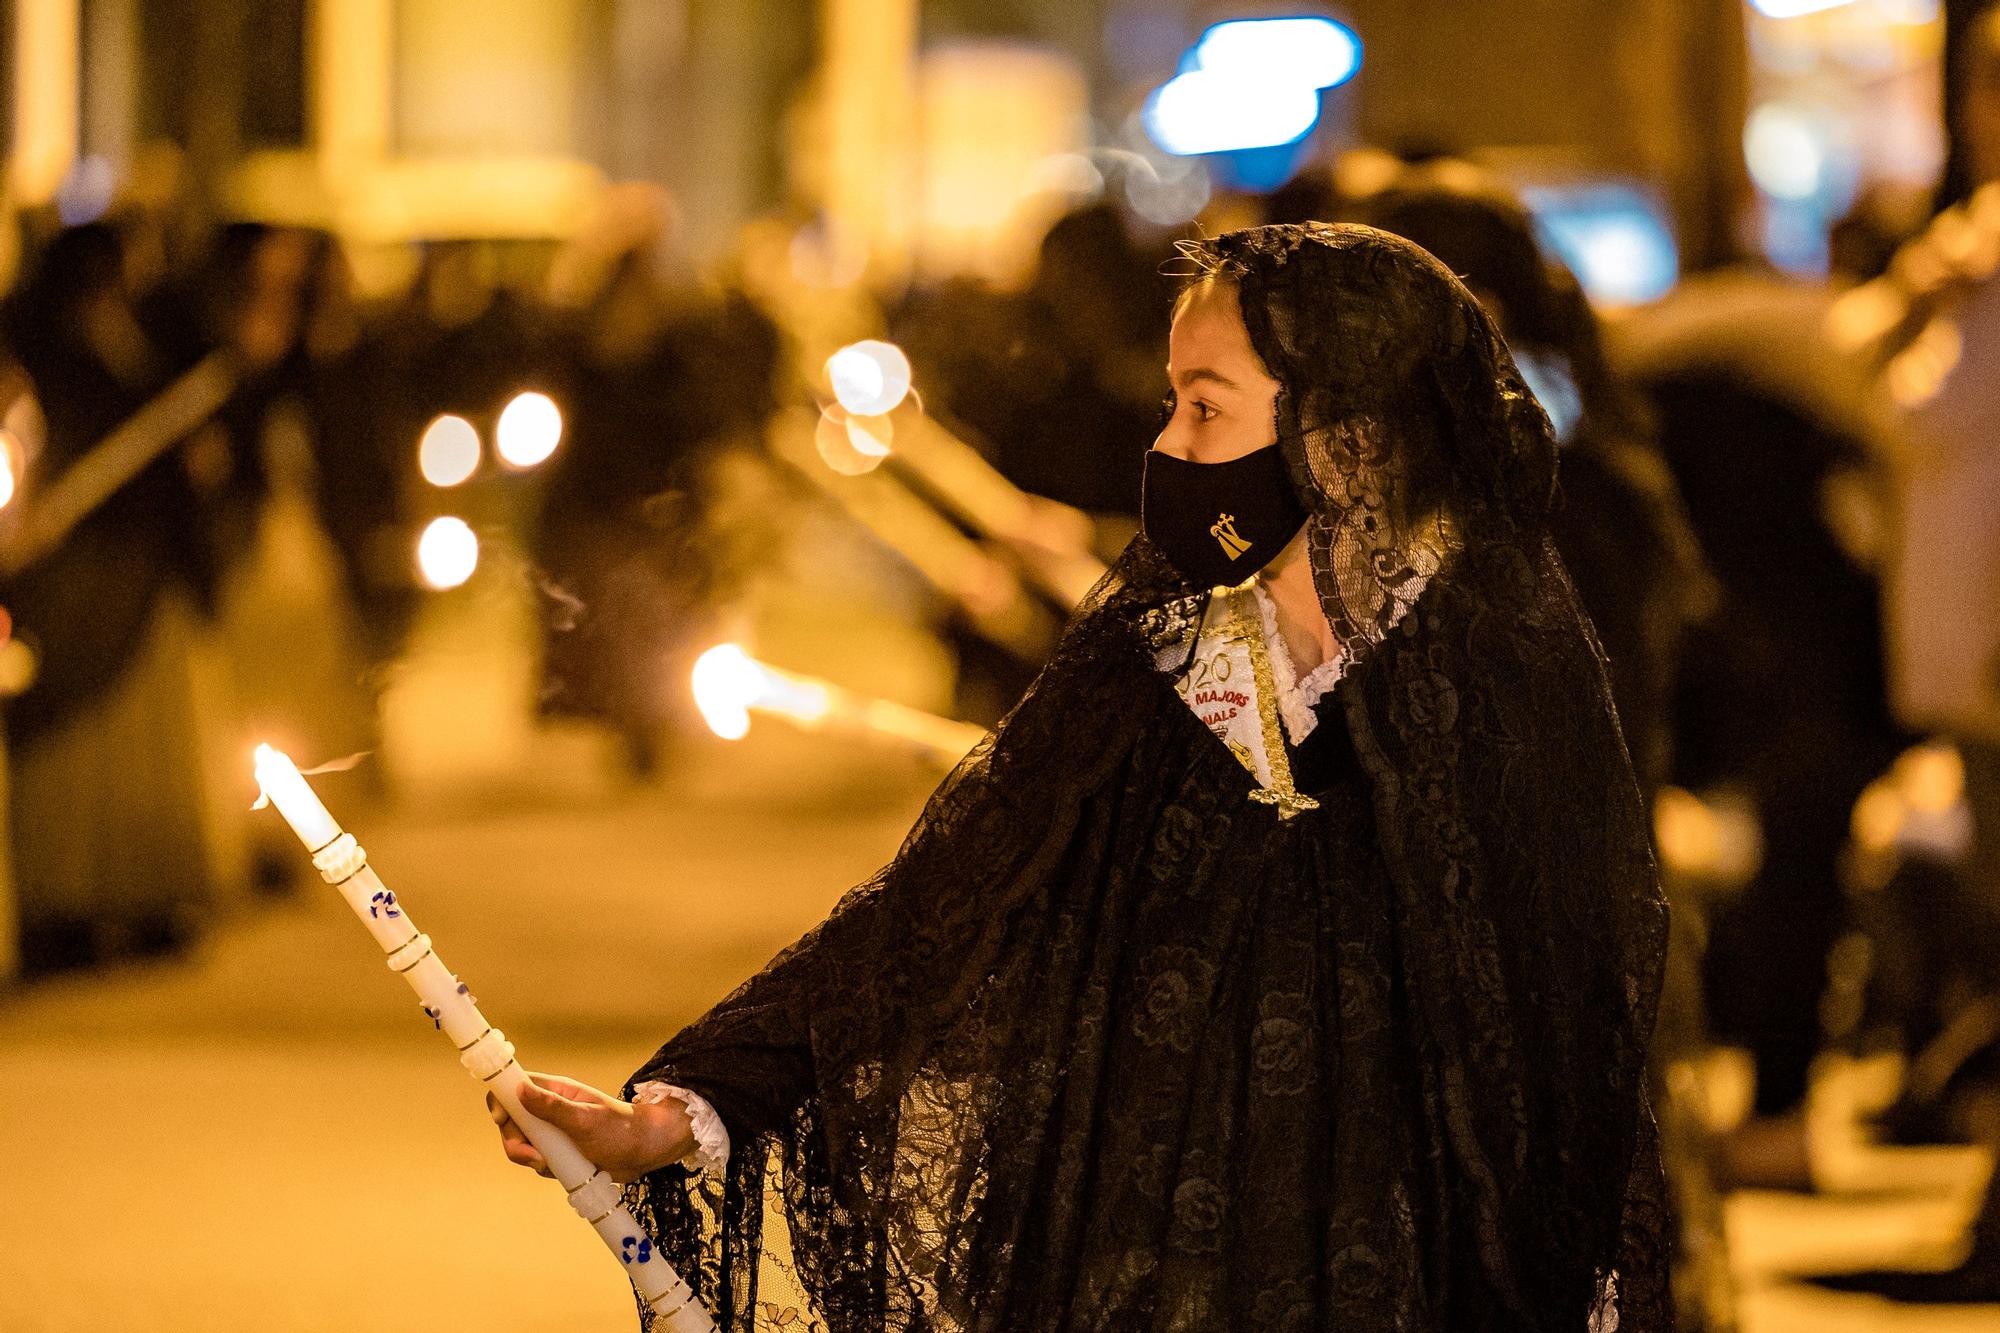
(569, 1089)
(566, 1115)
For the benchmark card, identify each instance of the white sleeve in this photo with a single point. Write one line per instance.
(711, 1152)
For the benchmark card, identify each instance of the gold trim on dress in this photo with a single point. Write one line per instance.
(1246, 622)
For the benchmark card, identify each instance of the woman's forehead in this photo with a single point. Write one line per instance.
(1209, 334)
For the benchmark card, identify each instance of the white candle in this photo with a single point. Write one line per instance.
(282, 782)
(482, 1048)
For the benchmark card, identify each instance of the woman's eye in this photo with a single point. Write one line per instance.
(1202, 411)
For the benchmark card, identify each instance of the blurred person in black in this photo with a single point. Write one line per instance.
(1944, 659)
(652, 385)
(1782, 693)
(351, 377)
(269, 296)
(1621, 528)
(1625, 541)
(1055, 382)
(112, 845)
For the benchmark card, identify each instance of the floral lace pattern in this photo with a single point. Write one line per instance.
(1108, 1046)
(1296, 695)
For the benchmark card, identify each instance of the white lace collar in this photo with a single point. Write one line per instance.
(1295, 697)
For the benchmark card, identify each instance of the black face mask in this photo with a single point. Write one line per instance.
(1219, 523)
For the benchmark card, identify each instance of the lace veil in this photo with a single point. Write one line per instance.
(919, 1090)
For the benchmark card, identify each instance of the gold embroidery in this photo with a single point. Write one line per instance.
(1226, 536)
(1246, 622)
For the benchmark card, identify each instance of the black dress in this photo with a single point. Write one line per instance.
(1111, 1045)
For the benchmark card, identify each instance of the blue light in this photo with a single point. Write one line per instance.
(1613, 236)
(1209, 111)
(1314, 52)
(1251, 85)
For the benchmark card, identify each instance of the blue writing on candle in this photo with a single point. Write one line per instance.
(645, 1251)
(383, 902)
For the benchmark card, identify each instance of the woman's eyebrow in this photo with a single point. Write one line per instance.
(1189, 377)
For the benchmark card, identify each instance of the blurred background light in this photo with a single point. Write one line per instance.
(1786, 151)
(869, 378)
(844, 449)
(447, 553)
(1614, 237)
(18, 667)
(11, 456)
(530, 429)
(449, 451)
(726, 681)
(1162, 189)
(87, 191)
(1216, 111)
(871, 436)
(1791, 9)
(1307, 52)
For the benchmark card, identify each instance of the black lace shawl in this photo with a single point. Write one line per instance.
(1107, 1045)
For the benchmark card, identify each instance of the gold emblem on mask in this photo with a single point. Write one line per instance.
(1226, 536)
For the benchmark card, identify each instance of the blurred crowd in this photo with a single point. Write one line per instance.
(222, 491)
(1779, 508)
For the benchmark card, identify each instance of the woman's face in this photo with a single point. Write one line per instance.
(1221, 401)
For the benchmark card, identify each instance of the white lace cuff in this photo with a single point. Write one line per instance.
(711, 1139)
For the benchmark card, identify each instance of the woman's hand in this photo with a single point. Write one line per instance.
(624, 1139)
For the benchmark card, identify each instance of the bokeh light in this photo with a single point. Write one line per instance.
(842, 448)
(725, 683)
(1309, 52)
(530, 428)
(11, 457)
(447, 553)
(1786, 151)
(869, 378)
(1791, 9)
(872, 437)
(1221, 111)
(1612, 235)
(449, 451)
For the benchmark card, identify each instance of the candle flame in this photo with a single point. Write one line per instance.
(264, 755)
(729, 684)
(261, 758)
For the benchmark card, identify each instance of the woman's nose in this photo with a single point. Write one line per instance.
(1172, 442)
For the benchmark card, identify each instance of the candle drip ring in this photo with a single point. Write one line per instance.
(340, 860)
(595, 1198)
(487, 1058)
(414, 961)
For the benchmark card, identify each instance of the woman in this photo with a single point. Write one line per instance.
(1339, 1022)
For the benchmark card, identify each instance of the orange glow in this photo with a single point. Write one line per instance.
(11, 454)
(725, 683)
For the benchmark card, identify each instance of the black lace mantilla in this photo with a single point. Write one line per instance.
(1110, 1046)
